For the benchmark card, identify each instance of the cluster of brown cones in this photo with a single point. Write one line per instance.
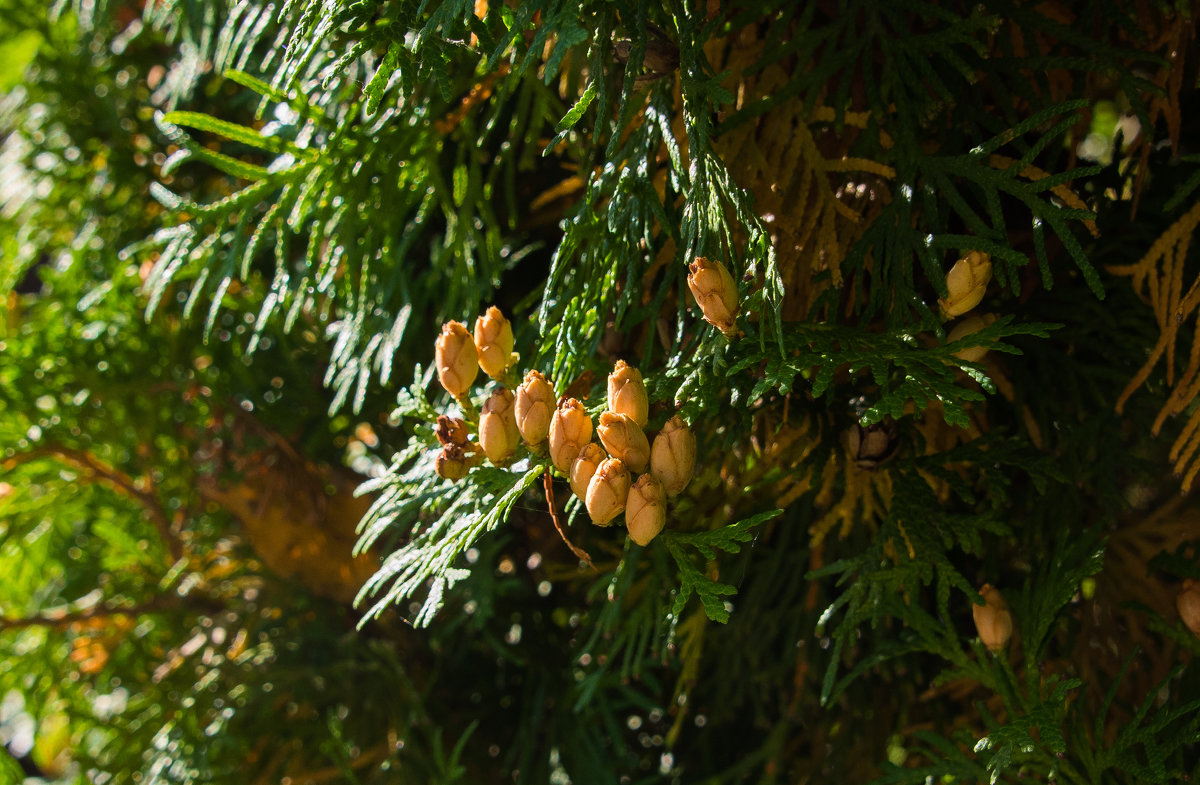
(627, 474)
(459, 356)
(607, 478)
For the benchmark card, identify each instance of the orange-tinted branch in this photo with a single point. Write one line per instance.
(582, 554)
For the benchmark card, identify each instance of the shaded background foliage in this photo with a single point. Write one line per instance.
(230, 232)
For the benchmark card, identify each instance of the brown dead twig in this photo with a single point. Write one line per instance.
(579, 552)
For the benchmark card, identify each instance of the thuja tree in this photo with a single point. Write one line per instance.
(865, 330)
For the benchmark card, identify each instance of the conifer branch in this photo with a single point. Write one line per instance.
(115, 479)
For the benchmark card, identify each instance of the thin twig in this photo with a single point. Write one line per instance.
(121, 481)
(369, 757)
(579, 552)
(161, 604)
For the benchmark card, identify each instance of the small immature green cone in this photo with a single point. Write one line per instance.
(534, 408)
(627, 393)
(624, 439)
(967, 282)
(494, 342)
(645, 509)
(456, 359)
(993, 621)
(716, 293)
(570, 430)
(673, 456)
(590, 458)
(607, 491)
(498, 433)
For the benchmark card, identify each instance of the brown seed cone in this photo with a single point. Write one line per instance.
(590, 458)
(673, 456)
(607, 491)
(993, 621)
(625, 440)
(534, 408)
(874, 444)
(627, 393)
(494, 342)
(645, 509)
(1188, 603)
(456, 359)
(498, 433)
(451, 463)
(451, 430)
(970, 326)
(967, 282)
(715, 292)
(570, 429)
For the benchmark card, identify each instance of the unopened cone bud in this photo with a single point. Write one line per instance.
(673, 456)
(1188, 603)
(716, 293)
(967, 282)
(451, 463)
(970, 326)
(451, 430)
(993, 621)
(645, 509)
(456, 359)
(494, 342)
(570, 430)
(627, 393)
(534, 408)
(624, 439)
(498, 433)
(590, 458)
(607, 491)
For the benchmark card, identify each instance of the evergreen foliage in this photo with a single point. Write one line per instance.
(230, 232)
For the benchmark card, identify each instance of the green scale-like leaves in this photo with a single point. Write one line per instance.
(321, 233)
(349, 174)
(727, 538)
